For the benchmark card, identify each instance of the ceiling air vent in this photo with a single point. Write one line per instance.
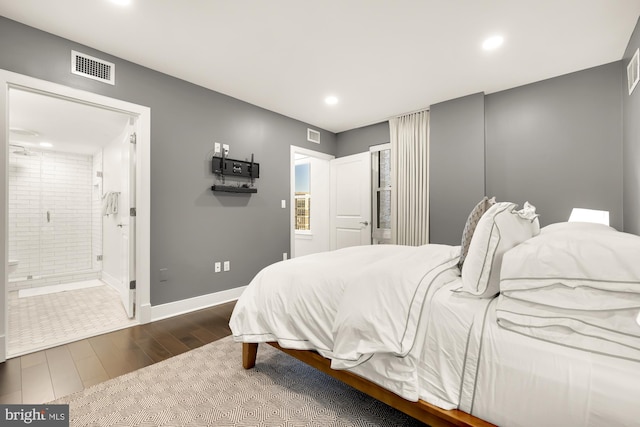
(93, 68)
(633, 72)
(313, 136)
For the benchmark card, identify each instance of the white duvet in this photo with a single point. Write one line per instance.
(577, 285)
(388, 313)
(348, 305)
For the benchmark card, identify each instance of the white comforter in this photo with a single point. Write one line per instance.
(388, 313)
(577, 285)
(348, 304)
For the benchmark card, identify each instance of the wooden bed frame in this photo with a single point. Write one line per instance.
(421, 410)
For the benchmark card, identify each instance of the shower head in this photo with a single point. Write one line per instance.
(22, 151)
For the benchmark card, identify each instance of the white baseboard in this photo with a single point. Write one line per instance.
(3, 354)
(112, 281)
(144, 313)
(163, 311)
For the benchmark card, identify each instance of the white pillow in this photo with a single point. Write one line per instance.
(572, 255)
(576, 228)
(500, 229)
(471, 224)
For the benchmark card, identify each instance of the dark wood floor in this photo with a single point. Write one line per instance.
(50, 374)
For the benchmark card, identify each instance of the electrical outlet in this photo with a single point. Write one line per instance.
(225, 147)
(217, 267)
(164, 275)
(227, 265)
(216, 148)
(284, 256)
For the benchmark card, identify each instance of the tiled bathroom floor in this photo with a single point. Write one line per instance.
(44, 321)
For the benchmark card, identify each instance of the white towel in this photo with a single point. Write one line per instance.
(114, 203)
(110, 203)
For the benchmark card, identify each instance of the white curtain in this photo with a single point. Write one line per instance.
(410, 165)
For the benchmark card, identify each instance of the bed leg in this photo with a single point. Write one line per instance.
(249, 352)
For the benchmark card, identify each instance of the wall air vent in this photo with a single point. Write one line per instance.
(313, 136)
(633, 72)
(93, 68)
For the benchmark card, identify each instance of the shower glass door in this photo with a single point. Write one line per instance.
(50, 214)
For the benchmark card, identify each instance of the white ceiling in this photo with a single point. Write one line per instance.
(381, 58)
(69, 126)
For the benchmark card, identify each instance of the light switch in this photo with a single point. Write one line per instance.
(164, 275)
(227, 265)
(283, 204)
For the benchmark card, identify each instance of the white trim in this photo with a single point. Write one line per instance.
(633, 71)
(380, 147)
(300, 236)
(9, 80)
(114, 283)
(163, 311)
(110, 280)
(292, 183)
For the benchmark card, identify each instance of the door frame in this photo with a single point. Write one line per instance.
(292, 202)
(10, 80)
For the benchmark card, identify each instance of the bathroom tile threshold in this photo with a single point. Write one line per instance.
(40, 322)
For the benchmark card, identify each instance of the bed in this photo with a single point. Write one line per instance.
(517, 326)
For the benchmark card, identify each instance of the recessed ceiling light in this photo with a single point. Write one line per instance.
(46, 144)
(492, 42)
(331, 100)
(121, 2)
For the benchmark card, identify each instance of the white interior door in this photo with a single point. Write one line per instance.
(351, 201)
(128, 224)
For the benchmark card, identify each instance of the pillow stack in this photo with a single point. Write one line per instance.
(576, 284)
(499, 229)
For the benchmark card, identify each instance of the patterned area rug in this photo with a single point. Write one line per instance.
(208, 387)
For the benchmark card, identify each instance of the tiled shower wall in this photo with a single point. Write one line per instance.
(50, 218)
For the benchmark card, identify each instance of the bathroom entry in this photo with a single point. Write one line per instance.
(71, 199)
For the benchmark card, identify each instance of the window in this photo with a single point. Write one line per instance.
(303, 194)
(381, 197)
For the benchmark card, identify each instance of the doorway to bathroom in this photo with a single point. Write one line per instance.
(71, 213)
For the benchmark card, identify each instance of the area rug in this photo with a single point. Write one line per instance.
(208, 387)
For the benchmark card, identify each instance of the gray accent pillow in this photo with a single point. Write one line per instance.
(470, 225)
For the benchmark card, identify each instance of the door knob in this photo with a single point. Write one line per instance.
(365, 223)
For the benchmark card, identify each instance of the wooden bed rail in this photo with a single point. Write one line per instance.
(421, 410)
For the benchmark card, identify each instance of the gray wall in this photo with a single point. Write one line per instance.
(558, 144)
(190, 226)
(359, 140)
(456, 170)
(631, 142)
(555, 143)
